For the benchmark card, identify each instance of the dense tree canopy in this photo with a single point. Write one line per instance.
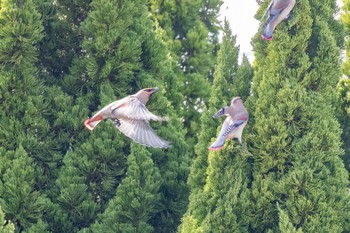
(61, 61)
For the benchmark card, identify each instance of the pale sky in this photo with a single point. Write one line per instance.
(240, 14)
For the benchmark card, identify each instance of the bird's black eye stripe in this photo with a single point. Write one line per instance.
(148, 90)
(236, 100)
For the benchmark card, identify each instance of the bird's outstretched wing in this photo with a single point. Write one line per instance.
(141, 132)
(132, 108)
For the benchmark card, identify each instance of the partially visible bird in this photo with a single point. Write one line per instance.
(131, 117)
(236, 120)
(278, 11)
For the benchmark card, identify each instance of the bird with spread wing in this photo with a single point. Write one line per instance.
(131, 117)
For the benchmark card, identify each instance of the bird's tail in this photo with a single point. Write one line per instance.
(218, 144)
(268, 32)
(90, 124)
(267, 21)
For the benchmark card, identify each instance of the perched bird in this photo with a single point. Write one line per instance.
(131, 117)
(236, 120)
(278, 11)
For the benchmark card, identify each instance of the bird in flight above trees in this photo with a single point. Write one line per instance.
(278, 10)
(236, 120)
(131, 117)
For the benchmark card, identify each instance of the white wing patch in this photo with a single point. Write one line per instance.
(133, 109)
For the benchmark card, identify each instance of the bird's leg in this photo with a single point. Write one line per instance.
(243, 147)
(116, 122)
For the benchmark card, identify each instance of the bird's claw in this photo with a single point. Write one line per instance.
(116, 122)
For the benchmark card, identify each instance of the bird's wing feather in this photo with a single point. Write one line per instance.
(237, 120)
(278, 6)
(141, 132)
(220, 140)
(233, 126)
(275, 9)
(220, 112)
(133, 109)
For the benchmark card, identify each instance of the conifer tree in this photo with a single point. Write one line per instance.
(62, 36)
(122, 55)
(245, 73)
(344, 118)
(299, 181)
(34, 116)
(136, 199)
(22, 204)
(191, 33)
(7, 226)
(344, 87)
(218, 180)
(22, 94)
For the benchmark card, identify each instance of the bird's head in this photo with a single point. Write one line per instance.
(144, 94)
(236, 100)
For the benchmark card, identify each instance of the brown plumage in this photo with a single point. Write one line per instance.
(236, 120)
(278, 11)
(131, 117)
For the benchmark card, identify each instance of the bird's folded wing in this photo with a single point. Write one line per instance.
(141, 132)
(233, 126)
(278, 6)
(133, 109)
(220, 140)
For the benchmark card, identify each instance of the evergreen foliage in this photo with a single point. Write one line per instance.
(299, 181)
(245, 73)
(22, 204)
(344, 87)
(344, 118)
(191, 33)
(218, 180)
(7, 226)
(136, 199)
(122, 55)
(62, 36)
(61, 61)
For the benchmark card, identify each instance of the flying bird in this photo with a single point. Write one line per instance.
(131, 117)
(278, 11)
(236, 119)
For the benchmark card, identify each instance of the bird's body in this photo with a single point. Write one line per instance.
(236, 119)
(278, 11)
(131, 117)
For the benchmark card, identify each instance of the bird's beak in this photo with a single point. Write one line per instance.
(154, 90)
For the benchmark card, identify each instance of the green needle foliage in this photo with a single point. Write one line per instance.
(344, 118)
(218, 180)
(136, 199)
(7, 227)
(122, 54)
(299, 182)
(61, 61)
(191, 30)
(344, 88)
(24, 206)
